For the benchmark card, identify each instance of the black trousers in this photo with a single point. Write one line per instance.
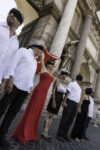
(88, 119)
(14, 101)
(68, 115)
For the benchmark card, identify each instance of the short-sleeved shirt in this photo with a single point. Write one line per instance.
(74, 91)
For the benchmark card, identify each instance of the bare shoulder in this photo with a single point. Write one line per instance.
(85, 97)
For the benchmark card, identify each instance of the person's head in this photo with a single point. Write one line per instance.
(79, 78)
(64, 74)
(37, 46)
(88, 91)
(50, 64)
(14, 18)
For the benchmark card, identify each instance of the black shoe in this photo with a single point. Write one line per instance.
(66, 139)
(3, 142)
(61, 139)
(86, 138)
(46, 138)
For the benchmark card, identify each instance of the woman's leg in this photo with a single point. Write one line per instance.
(47, 123)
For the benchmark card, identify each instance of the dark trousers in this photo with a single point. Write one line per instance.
(88, 119)
(68, 115)
(14, 101)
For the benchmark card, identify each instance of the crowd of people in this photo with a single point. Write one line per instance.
(17, 71)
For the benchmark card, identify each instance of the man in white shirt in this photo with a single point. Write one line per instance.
(72, 98)
(8, 40)
(22, 74)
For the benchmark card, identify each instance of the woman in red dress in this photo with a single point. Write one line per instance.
(27, 128)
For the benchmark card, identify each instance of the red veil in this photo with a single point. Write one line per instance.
(46, 58)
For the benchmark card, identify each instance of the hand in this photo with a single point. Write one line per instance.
(53, 104)
(79, 110)
(28, 96)
(2, 85)
(9, 85)
(64, 104)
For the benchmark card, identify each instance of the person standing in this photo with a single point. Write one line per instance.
(55, 102)
(71, 100)
(90, 116)
(79, 125)
(8, 41)
(20, 83)
(26, 130)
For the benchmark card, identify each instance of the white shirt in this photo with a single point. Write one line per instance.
(8, 46)
(74, 91)
(61, 89)
(23, 69)
(91, 106)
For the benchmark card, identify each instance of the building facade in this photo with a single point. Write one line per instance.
(71, 30)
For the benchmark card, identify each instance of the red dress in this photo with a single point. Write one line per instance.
(27, 128)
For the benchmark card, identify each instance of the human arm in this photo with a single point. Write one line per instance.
(2, 85)
(68, 91)
(80, 103)
(56, 82)
(56, 67)
(43, 67)
(30, 93)
(64, 104)
(9, 85)
(15, 60)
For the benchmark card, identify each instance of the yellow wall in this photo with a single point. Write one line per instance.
(28, 11)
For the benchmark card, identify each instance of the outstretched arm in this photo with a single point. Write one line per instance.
(56, 83)
(56, 67)
(43, 67)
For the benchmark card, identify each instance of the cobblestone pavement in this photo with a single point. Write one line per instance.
(93, 134)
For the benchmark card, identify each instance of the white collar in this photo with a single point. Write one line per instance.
(6, 25)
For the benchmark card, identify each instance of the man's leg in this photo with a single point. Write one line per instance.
(3, 105)
(64, 120)
(6, 100)
(73, 109)
(12, 111)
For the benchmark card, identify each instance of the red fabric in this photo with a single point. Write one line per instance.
(47, 57)
(27, 127)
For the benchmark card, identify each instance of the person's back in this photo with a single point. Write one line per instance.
(75, 91)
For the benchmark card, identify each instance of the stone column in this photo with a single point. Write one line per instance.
(97, 88)
(81, 47)
(63, 28)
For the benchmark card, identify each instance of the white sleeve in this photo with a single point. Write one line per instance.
(15, 60)
(34, 71)
(69, 87)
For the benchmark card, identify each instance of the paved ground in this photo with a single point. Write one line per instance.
(93, 133)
